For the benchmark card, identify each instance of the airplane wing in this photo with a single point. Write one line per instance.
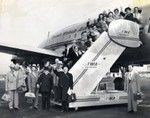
(21, 50)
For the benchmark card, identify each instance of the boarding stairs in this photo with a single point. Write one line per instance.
(97, 61)
(94, 64)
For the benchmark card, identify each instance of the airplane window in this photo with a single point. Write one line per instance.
(102, 86)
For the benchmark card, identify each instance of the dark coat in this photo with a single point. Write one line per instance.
(88, 43)
(60, 74)
(45, 82)
(66, 82)
(128, 16)
(82, 47)
(72, 56)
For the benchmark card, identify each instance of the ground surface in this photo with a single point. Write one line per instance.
(117, 111)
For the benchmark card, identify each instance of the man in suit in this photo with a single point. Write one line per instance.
(58, 71)
(133, 88)
(11, 86)
(82, 46)
(58, 66)
(73, 54)
(45, 84)
(65, 82)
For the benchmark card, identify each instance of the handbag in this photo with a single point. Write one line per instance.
(30, 95)
(72, 97)
(137, 96)
(6, 97)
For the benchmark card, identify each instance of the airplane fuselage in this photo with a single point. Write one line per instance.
(140, 55)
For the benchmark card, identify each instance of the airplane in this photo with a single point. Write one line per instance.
(54, 46)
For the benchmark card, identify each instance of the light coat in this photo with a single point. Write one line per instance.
(133, 87)
(32, 80)
(11, 85)
(11, 81)
(21, 75)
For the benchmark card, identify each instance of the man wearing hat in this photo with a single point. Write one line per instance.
(11, 86)
(55, 80)
(45, 84)
(65, 82)
(58, 71)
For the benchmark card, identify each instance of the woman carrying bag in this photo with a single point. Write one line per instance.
(32, 80)
(11, 88)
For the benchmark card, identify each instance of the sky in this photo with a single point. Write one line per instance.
(27, 22)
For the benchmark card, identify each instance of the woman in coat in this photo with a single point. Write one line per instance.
(32, 80)
(133, 88)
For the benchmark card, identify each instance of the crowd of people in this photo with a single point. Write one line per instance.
(55, 80)
(95, 28)
(51, 79)
(104, 19)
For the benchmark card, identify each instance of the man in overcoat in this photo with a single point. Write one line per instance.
(65, 82)
(45, 85)
(133, 88)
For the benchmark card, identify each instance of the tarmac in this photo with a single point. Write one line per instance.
(113, 111)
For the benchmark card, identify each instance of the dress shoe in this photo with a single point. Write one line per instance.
(36, 108)
(16, 108)
(62, 111)
(11, 109)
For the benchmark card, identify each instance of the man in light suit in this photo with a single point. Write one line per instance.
(133, 88)
(11, 86)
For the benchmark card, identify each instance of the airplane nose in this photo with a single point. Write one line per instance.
(125, 33)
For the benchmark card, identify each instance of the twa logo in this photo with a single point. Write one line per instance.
(111, 97)
(92, 64)
(124, 33)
